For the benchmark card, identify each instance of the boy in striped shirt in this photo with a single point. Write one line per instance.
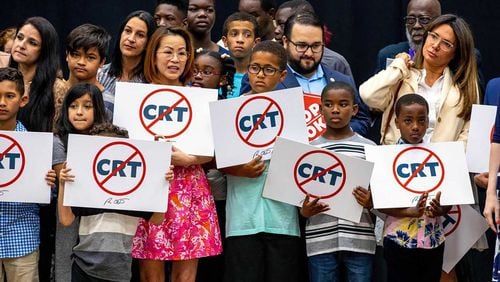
(333, 243)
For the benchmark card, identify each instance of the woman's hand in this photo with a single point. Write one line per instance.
(406, 58)
(491, 207)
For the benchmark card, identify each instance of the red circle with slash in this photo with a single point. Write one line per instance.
(181, 100)
(455, 212)
(337, 163)
(414, 173)
(246, 139)
(101, 182)
(13, 145)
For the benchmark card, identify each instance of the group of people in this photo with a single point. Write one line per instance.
(218, 227)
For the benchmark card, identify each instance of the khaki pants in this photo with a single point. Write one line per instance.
(20, 269)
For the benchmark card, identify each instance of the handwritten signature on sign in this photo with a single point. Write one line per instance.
(117, 201)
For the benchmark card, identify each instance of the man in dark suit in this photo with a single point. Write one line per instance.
(303, 40)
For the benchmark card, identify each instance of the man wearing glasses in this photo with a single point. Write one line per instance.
(419, 14)
(303, 40)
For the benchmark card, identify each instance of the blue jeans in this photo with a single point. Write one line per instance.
(327, 267)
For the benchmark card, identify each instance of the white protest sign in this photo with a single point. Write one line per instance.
(482, 125)
(403, 172)
(247, 126)
(463, 226)
(178, 113)
(117, 173)
(25, 159)
(298, 169)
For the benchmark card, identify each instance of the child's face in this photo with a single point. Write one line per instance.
(27, 45)
(134, 38)
(412, 122)
(240, 39)
(81, 113)
(171, 58)
(83, 65)
(168, 15)
(10, 101)
(338, 108)
(264, 62)
(200, 16)
(206, 73)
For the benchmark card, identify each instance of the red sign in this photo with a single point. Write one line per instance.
(10, 168)
(314, 119)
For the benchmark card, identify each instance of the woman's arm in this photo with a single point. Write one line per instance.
(376, 91)
(179, 158)
(491, 206)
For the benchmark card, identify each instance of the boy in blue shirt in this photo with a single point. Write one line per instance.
(262, 235)
(19, 222)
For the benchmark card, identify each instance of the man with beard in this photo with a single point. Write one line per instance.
(419, 14)
(200, 20)
(332, 59)
(303, 39)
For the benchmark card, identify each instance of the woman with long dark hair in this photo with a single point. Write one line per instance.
(35, 54)
(127, 63)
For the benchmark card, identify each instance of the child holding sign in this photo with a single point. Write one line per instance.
(414, 237)
(262, 235)
(82, 107)
(216, 71)
(333, 243)
(20, 222)
(105, 235)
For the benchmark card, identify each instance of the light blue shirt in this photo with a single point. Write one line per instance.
(314, 84)
(236, 85)
(249, 213)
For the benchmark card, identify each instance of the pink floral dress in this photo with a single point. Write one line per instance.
(190, 229)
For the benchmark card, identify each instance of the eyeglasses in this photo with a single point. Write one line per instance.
(443, 43)
(205, 72)
(182, 56)
(268, 71)
(302, 47)
(412, 20)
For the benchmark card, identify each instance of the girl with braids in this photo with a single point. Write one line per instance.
(213, 70)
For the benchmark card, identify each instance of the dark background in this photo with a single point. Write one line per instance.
(360, 27)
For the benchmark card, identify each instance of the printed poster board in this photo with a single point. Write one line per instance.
(117, 173)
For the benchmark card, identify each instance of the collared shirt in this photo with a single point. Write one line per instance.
(314, 84)
(19, 225)
(433, 95)
(411, 232)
